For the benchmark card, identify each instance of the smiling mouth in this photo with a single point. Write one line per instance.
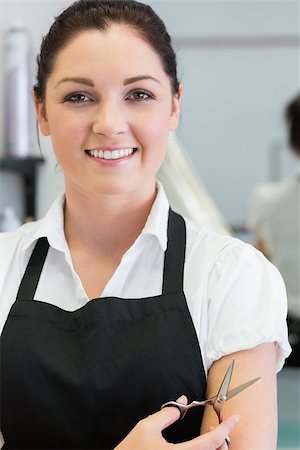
(111, 154)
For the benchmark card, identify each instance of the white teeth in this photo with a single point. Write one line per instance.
(115, 154)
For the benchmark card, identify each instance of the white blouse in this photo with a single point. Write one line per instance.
(236, 297)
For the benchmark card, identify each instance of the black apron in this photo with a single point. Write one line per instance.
(83, 379)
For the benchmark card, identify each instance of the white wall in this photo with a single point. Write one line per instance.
(237, 82)
(239, 63)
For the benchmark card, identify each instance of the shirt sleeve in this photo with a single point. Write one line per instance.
(247, 304)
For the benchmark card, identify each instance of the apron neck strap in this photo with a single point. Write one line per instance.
(175, 254)
(33, 270)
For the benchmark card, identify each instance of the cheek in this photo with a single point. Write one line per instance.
(154, 140)
(154, 128)
(67, 134)
(157, 134)
(156, 137)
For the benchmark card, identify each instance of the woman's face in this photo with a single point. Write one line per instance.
(109, 108)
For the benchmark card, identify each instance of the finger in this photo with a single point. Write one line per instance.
(212, 440)
(230, 423)
(166, 416)
(182, 399)
(225, 427)
(223, 446)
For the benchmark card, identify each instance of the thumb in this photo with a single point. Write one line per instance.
(166, 416)
(214, 438)
(217, 435)
(229, 424)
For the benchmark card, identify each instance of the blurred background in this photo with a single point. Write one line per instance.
(239, 63)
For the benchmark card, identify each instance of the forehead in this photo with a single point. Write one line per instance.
(115, 48)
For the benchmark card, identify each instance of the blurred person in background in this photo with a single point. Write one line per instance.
(274, 222)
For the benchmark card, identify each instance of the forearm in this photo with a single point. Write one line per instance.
(257, 405)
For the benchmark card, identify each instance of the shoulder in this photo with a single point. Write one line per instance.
(15, 249)
(209, 244)
(22, 239)
(12, 240)
(15, 246)
(223, 258)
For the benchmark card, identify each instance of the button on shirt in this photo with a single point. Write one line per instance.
(235, 296)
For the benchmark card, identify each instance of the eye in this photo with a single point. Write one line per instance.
(78, 97)
(139, 95)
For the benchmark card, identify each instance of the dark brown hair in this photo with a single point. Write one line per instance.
(100, 14)
(292, 115)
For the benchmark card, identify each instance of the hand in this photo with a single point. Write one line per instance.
(147, 434)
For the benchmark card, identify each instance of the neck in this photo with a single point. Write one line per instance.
(106, 222)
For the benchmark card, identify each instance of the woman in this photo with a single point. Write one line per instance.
(274, 221)
(121, 304)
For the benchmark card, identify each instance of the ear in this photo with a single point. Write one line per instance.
(40, 111)
(176, 109)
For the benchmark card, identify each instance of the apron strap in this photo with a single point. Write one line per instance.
(33, 270)
(175, 254)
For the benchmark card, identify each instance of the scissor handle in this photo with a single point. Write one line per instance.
(183, 408)
(180, 406)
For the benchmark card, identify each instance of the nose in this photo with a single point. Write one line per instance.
(110, 119)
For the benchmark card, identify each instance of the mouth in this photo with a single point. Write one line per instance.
(111, 154)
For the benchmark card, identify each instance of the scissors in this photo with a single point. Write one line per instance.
(218, 401)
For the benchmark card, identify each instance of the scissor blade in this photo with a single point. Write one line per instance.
(233, 392)
(223, 390)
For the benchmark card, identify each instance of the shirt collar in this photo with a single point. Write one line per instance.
(157, 221)
(52, 224)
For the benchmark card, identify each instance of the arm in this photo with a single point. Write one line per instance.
(246, 316)
(257, 405)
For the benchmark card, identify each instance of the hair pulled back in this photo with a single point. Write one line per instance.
(292, 115)
(99, 15)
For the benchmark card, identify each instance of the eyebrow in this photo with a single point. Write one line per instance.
(85, 81)
(89, 82)
(139, 78)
